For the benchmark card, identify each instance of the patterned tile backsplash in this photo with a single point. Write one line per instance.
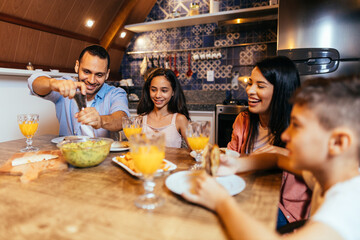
(227, 60)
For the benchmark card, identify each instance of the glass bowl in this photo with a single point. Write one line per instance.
(85, 151)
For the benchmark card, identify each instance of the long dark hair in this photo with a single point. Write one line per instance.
(282, 73)
(177, 103)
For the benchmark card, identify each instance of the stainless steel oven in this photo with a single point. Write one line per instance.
(225, 116)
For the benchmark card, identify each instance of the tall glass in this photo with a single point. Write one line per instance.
(132, 125)
(28, 124)
(198, 134)
(148, 152)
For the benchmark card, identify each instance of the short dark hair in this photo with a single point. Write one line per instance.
(177, 103)
(96, 50)
(335, 101)
(282, 73)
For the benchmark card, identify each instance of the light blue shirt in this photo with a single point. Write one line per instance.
(108, 100)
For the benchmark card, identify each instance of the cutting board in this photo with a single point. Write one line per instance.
(31, 171)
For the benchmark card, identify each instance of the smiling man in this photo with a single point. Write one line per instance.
(106, 105)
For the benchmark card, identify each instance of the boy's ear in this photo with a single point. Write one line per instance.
(340, 141)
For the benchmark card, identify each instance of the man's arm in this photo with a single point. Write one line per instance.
(43, 85)
(113, 122)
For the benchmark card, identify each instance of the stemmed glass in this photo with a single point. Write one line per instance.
(131, 125)
(198, 134)
(28, 124)
(148, 152)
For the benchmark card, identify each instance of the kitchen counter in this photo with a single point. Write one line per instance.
(191, 106)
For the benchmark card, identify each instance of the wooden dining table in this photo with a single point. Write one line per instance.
(98, 202)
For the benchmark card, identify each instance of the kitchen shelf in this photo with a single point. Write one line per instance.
(198, 49)
(27, 73)
(247, 15)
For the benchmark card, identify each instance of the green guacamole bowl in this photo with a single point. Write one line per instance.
(85, 152)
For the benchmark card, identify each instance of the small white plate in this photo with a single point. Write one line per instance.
(171, 166)
(57, 140)
(116, 147)
(193, 154)
(180, 182)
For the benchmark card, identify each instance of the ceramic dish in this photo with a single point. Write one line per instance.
(180, 182)
(169, 165)
(118, 147)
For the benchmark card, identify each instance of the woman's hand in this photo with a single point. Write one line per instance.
(228, 165)
(272, 149)
(209, 193)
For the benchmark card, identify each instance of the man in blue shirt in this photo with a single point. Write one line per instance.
(106, 105)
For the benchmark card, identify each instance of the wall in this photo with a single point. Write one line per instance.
(15, 99)
(234, 59)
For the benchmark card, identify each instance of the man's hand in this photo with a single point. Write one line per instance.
(89, 116)
(67, 88)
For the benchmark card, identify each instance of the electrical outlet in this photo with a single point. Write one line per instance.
(210, 76)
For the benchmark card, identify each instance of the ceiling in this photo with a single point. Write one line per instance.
(51, 34)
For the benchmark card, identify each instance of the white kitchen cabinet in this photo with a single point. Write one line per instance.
(197, 116)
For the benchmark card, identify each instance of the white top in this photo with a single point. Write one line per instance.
(87, 130)
(263, 138)
(172, 136)
(340, 208)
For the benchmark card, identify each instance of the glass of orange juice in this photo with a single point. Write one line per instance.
(198, 134)
(28, 124)
(148, 152)
(132, 125)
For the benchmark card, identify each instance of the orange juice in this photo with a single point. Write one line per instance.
(198, 143)
(147, 159)
(28, 129)
(131, 131)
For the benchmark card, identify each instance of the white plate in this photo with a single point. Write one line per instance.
(180, 182)
(115, 147)
(193, 154)
(57, 140)
(171, 166)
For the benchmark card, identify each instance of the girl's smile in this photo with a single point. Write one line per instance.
(160, 91)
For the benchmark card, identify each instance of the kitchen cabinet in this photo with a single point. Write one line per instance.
(245, 15)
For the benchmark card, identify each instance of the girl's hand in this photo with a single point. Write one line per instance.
(209, 193)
